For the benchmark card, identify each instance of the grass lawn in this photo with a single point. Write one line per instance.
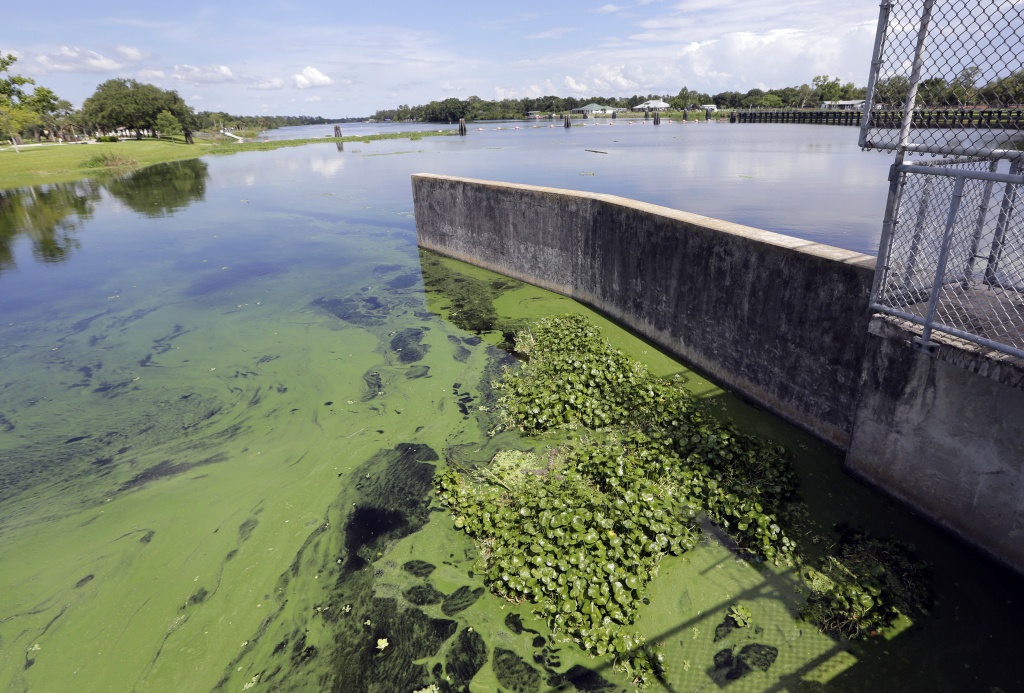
(58, 163)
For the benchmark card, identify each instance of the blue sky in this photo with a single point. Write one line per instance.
(338, 59)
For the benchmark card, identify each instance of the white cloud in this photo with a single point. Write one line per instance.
(311, 77)
(130, 53)
(212, 74)
(312, 98)
(273, 83)
(150, 74)
(608, 8)
(69, 59)
(616, 79)
(574, 86)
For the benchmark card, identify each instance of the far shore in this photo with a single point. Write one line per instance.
(51, 162)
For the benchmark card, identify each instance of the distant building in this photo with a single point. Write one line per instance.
(653, 105)
(855, 105)
(708, 107)
(596, 108)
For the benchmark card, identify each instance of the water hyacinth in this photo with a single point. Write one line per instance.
(580, 531)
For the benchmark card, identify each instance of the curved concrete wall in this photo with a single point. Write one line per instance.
(780, 320)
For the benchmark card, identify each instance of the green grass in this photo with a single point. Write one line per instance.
(60, 163)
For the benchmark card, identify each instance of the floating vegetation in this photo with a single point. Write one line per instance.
(864, 586)
(738, 617)
(579, 531)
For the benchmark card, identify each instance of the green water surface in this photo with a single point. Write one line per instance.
(225, 388)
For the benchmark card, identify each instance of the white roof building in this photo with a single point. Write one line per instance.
(653, 105)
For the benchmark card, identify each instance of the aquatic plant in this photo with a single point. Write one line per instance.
(574, 379)
(865, 585)
(740, 615)
(580, 531)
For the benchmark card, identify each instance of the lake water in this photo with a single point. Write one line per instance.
(203, 395)
(811, 183)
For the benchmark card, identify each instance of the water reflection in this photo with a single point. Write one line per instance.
(161, 190)
(48, 215)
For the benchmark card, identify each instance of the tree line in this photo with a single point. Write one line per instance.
(966, 89)
(117, 106)
(823, 88)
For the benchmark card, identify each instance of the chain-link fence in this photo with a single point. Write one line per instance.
(947, 77)
(954, 257)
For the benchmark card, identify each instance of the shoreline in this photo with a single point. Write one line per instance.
(48, 163)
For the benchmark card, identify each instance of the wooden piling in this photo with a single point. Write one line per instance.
(462, 127)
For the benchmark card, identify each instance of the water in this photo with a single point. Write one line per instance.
(810, 182)
(223, 390)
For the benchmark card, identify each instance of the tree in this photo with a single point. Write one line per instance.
(1004, 91)
(891, 92)
(126, 103)
(933, 92)
(964, 87)
(803, 95)
(827, 89)
(46, 106)
(14, 116)
(167, 124)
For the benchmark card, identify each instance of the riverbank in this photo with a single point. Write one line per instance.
(60, 163)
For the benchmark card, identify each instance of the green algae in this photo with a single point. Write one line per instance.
(245, 398)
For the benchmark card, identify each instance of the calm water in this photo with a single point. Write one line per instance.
(212, 373)
(813, 183)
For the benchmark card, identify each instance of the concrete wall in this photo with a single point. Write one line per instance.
(780, 320)
(944, 434)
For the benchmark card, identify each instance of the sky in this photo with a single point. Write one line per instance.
(348, 59)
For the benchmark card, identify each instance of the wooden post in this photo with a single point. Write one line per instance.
(567, 123)
(462, 127)
(337, 131)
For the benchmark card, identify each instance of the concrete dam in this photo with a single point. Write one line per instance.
(781, 321)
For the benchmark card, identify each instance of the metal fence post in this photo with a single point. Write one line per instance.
(915, 75)
(979, 227)
(876, 66)
(1005, 212)
(924, 342)
(892, 204)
